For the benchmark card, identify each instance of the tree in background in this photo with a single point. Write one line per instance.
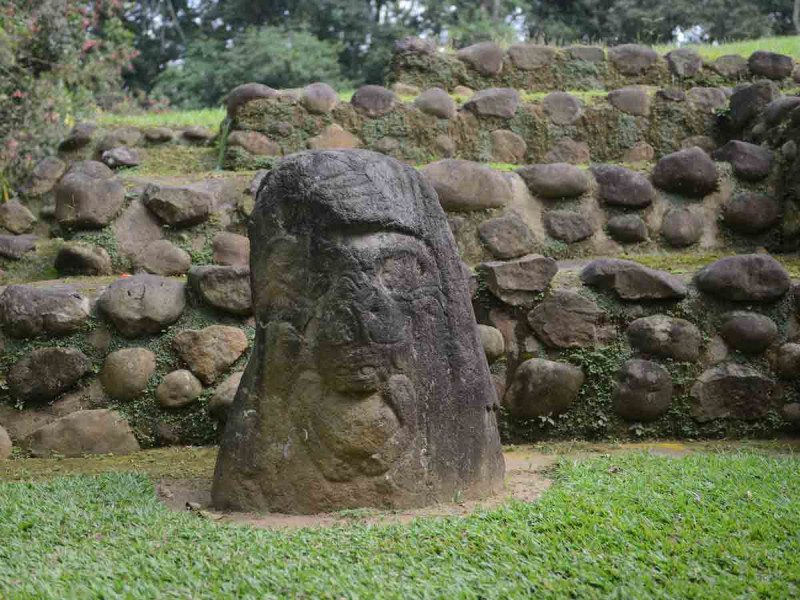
(270, 55)
(56, 58)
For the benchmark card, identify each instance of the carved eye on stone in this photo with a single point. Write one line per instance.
(405, 273)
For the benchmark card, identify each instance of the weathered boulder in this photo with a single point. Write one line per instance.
(731, 66)
(374, 100)
(209, 352)
(231, 249)
(748, 332)
(126, 373)
(45, 373)
(79, 137)
(542, 388)
(5, 444)
(682, 227)
(566, 319)
(618, 186)
(776, 110)
(15, 217)
(643, 391)
(121, 157)
(162, 257)
(590, 54)
(197, 135)
(178, 389)
(178, 205)
(28, 311)
(628, 229)
(770, 64)
(44, 176)
(437, 102)
(492, 342)
(747, 102)
(81, 258)
(530, 57)
(568, 151)
(463, 185)
(787, 361)
(121, 136)
(750, 212)
(88, 196)
(562, 108)
(791, 412)
(518, 282)
(556, 180)
(83, 432)
(631, 100)
(507, 146)
(667, 337)
(242, 94)
(707, 99)
(319, 98)
(731, 390)
(749, 161)
(690, 172)
(485, 57)
(143, 304)
(684, 62)
(395, 305)
(494, 102)
(158, 135)
(671, 95)
(632, 59)
(224, 288)
(17, 246)
(568, 226)
(222, 399)
(744, 278)
(333, 136)
(632, 281)
(507, 236)
(254, 142)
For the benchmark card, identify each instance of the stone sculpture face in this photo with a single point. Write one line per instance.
(367, 385)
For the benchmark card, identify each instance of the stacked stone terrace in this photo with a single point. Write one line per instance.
(126, 314)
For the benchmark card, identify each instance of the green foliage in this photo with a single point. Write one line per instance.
(623, 525)
(269, 55)
(56, 58)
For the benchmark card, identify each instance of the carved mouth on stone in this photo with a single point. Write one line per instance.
(355, 425)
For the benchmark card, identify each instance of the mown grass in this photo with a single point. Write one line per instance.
(789, 45)
(206, 117)
(623, 526)
(690, 262)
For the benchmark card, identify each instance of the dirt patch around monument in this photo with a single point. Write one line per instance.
(529, 471)
(527, 477)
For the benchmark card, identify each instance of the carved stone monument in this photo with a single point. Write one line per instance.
(367, 385)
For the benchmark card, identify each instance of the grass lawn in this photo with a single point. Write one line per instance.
(789, 44)
(626, 526)
(205, 117)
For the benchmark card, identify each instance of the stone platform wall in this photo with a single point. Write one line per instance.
(495, 125)
(543, 68)
(610, 347)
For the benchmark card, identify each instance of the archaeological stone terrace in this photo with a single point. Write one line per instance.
(628, 225)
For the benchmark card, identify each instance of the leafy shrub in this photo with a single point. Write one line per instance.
(56, 58)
